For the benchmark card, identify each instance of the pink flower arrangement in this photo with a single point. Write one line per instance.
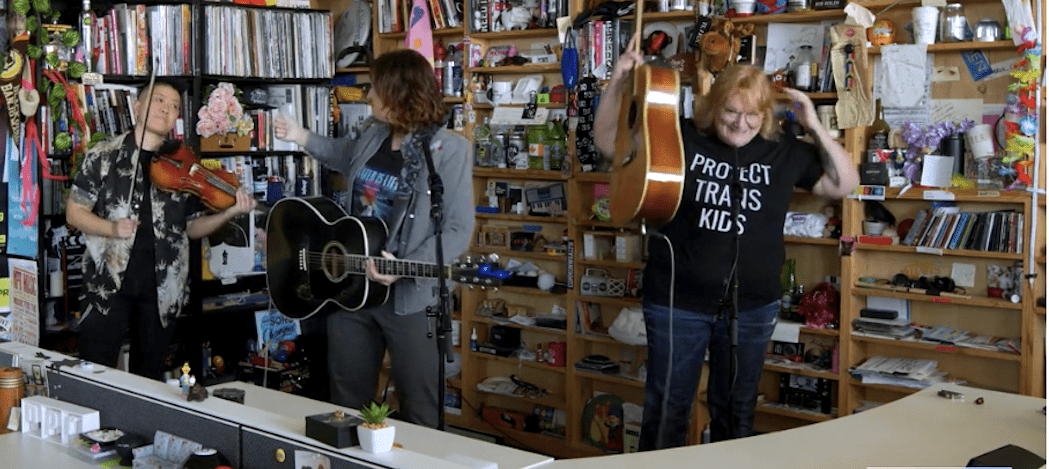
(223, 113)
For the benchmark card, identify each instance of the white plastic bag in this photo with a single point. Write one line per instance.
(629, 326)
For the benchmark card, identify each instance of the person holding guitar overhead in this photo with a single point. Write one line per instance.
(387, 171)
(136, 266)
(740, 173)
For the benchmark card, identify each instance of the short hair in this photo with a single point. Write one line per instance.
(755, 88)
(179, 87)
(404, 81)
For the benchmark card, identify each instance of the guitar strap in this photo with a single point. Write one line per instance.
(417, 148)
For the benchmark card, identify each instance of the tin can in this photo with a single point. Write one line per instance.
(517, 150)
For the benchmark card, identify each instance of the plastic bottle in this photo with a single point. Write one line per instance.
(473, 340)
(787, 283)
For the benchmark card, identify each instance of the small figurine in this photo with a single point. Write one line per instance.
(184, 380)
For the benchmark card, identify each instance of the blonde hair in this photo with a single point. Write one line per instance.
(753, 87)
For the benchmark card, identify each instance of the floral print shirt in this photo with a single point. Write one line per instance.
(108, 173)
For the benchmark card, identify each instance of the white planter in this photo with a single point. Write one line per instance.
(376, 441)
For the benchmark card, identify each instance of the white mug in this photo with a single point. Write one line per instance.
(499, 92)
(925, 21)
(980, 142)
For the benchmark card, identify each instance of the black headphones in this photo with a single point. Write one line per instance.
(932, 286)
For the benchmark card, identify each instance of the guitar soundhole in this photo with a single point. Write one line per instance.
(632, 115)
(334, 262)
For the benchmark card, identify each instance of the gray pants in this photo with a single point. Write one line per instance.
(357, 341)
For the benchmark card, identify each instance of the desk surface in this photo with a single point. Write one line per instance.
(412, 437)
(283, 415)
(920, 430)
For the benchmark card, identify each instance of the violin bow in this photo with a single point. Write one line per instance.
(142, 138)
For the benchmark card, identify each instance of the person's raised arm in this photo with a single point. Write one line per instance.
(840, 176)
(606, 120)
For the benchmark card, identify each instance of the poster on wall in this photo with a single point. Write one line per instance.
(23, 197)
(25, 303)
(272, 327)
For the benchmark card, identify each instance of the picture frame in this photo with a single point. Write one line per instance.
(494, 236)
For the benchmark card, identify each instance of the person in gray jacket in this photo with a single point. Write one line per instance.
(387, 171)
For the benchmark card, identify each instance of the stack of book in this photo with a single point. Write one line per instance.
(912, 373)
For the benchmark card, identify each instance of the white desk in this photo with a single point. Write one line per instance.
(21, 451)
(922, 429)
(412, 437)
(283, 415)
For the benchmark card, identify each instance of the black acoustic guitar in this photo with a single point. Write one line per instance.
(316, 256)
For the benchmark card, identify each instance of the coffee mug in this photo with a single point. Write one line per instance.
(924, 21)
(499, 92)
(979, 141)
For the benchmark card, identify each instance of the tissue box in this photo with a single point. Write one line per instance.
(329, 428)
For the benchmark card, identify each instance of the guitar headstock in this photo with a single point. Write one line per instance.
(479, 271)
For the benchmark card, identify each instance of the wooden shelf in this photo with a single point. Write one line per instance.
(521, 218)
(944, 252)
(939, 348)
(519, 106)
(614, 264)
(613, 301)
(678, 15)
(519, 363)
(599, 338)
(958, 195)
(515, 34)
(549, 400)
(813, 16)
(519, 69)
(614, 379)
(508, 323)
(883, 387)
(361, 69)
(509, 173)
(960, 46)
(800, 371)
(984, 302)
(802, 414)
(812, 241)
(504, 252)
(594, 177)
(435, 33)
(812, 330)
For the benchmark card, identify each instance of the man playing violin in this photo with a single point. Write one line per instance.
(136, 275)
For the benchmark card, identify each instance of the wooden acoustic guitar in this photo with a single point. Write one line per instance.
(649, 168)
(316, 256)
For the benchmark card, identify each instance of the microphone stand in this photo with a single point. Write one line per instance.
(440, 312)
(731, 302)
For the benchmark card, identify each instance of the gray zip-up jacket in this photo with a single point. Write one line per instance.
(348, 155)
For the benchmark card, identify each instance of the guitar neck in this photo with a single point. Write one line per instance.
(639, 10)
(399, 267)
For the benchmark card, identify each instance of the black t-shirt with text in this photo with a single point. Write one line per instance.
(703, 229)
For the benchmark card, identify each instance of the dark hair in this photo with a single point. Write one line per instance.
(177, 85)
(404, 81)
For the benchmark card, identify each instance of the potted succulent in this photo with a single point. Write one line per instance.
(375, 434)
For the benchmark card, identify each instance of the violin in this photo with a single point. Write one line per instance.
(176, 168)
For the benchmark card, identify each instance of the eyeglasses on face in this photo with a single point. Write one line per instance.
(752, 118)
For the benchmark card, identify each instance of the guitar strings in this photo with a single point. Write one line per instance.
(356, 264)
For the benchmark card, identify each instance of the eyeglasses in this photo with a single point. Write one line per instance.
(752, 118)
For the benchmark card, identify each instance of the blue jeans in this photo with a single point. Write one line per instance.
(693, 332)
